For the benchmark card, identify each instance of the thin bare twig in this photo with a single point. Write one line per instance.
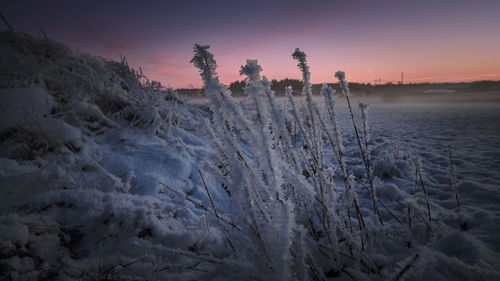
(409, 227)
(405, 269)
(208, 193)
(6, 22)
(44, 35)
(453, 182)
(426, 196)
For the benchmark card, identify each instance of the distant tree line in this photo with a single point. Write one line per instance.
(278, 86)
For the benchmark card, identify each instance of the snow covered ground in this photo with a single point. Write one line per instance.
(94, 191)
(470, 238)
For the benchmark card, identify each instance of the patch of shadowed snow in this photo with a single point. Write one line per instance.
(24, 106)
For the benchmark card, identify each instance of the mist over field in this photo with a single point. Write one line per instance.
(445, 99)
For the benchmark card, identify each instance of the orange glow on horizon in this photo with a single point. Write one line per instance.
(228, 75)
(362, 65)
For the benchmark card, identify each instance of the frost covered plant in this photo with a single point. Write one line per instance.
(257, 93)
(366, 132)
(54, 67)
(338, 148)
(279, 126)
(270, 123)
(255, 179)
(300, 56)
(417, 163)
(299, 122)
(340, 75)
(273, 202)
(204, 61)
(345, 88)
(335, 140)
(252, 69)
(328, 214)
(226, 113)
(156, 111)
(327, 93)
(452, 176)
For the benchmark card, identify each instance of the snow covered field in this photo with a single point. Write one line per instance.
(108, 180)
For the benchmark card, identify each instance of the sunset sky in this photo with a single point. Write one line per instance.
(428, 40)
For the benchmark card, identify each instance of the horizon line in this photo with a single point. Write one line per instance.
(359, 83)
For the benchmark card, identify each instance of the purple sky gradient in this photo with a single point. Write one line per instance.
(430, 41)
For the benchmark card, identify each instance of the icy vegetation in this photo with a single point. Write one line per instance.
(105, 175)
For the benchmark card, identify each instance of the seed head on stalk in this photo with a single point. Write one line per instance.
(205, 62)
(304, 68)
(343, 83)
(252, 69)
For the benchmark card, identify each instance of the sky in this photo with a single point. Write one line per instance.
(427, 40)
